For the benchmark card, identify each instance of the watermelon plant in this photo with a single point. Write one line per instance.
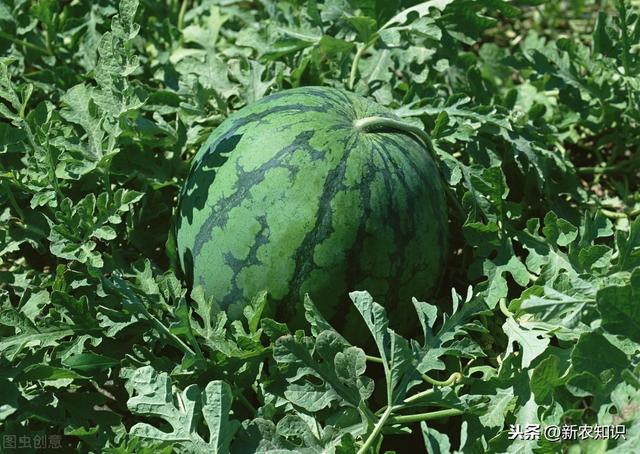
(322, 192)
(406, 226)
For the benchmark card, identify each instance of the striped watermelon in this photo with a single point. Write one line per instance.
(288, 195)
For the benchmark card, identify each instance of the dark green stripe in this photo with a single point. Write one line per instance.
(322, 229)
(219, 214)
(354, 255)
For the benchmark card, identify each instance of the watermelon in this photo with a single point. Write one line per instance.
(299, 193)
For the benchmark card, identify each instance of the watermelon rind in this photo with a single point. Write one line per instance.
(288, 195)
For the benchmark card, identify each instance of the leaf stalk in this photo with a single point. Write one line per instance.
(430, 416)
(376, 431)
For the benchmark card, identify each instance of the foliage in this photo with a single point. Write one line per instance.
(532, 108)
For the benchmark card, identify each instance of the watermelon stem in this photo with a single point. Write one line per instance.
(362, 48)
(503, 308)
(452, 380)
(374, 359)
(244, 401)
(376, 430)
(181, 13)
(372, 123)
(410, 419)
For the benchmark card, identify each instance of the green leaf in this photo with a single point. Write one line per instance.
(631, 440)
(629, 247)
(558, 230)
(333, 47)
(78, 225)
(89, 361)
(620, 309)
(339, 383)
(45, 338)
(46, 372)
(365, 26)
(315, 319)
(434, 441)
(545, 377)
(533, 342)
(253, 311)
(421, 9)
(595, 354)
(376, 320)
(82, 111)
(602, 42)
(254, 87)
(397, 358)
(154, 397)
(500, 403)
(8, 398)
(10, 135)
(205, 35)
